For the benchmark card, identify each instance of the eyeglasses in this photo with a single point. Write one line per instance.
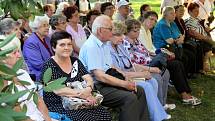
(62, 22)
(45, 25)
(109, 28)
(135, 29)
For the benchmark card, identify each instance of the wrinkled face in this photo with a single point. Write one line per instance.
(117, 39)
(124, 10)
(180, 12)
(16, 30)
(195, 12)
(75, 17)
(13, 57)
(105, 31)
(61, 25)
(63, 48)
(150, 22)
(43, 29)
(134, 32)
(109, 11)
(170, 15)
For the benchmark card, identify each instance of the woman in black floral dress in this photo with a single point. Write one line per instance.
(63, 65)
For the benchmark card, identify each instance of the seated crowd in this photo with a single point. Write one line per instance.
(130, 62)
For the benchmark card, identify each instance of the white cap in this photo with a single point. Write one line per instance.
(121, 3)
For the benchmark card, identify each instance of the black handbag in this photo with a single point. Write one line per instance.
(113, 72)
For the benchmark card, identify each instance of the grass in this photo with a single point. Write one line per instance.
(203, 86)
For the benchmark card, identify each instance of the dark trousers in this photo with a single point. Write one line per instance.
(132, 106)
(178, 76)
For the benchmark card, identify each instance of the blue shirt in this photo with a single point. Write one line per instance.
(163, 31)
(95, 54)
(121, 58)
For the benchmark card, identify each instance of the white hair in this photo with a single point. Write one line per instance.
(7, 24)
(37, 22)
(100, 21)
(60, 7)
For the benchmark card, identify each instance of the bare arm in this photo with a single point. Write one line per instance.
(66, 91)
(43, 109)
(110, 80)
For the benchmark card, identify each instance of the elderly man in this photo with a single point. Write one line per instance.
(123, 11)
(118, 93)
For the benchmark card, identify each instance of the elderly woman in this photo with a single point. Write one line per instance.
(75, 29)
(63, 65)
(189, 52)
(199, 36)
(166, 33)
(9, 26)
(122, 61)
(140, 55)
(148, 21)
(35, 112)
(37, 48)
(57, 23)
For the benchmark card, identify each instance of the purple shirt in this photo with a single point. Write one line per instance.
(79, 36)
(35, 54)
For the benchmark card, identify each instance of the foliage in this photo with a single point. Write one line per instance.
(9, 93)
(20, 8)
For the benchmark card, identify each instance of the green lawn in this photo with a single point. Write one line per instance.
(203, 86)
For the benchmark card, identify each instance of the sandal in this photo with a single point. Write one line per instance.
(192, 101)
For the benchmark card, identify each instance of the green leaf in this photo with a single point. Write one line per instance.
(18, 64)
(24, 108)
(12, 97)
(5, 117)
(1, 84)
(24, 82)
(17, 116)
(30, 95)
(47, 75)
(35, 98)
(55, 85)
(7, 70)
(7, 40)
(15, 89)
(7, 51)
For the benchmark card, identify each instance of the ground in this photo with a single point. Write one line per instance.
(203, 86)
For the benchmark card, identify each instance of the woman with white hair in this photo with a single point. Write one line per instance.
(167, 35)
(9, 26)
(37, 48)
(35, 112)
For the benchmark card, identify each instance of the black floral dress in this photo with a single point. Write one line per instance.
(54, 102)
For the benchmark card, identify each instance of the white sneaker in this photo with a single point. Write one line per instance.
(168, 117)
(169, 106)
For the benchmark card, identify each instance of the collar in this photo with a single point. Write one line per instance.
(97, 41)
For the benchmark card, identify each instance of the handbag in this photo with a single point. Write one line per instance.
(113, 72)
(75, 103)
